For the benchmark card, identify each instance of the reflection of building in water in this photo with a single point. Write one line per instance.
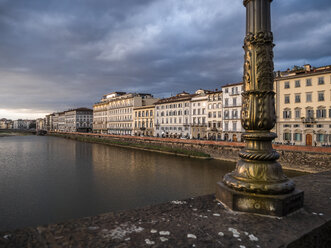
(303, 105)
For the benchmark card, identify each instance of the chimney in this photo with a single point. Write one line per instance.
(307, 67)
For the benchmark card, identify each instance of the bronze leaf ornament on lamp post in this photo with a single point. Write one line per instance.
(258, 184)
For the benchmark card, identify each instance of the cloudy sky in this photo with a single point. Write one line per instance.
(60, 54)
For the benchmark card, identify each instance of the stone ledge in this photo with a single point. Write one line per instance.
(195, 222)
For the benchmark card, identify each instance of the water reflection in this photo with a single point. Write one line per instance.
(47, 179)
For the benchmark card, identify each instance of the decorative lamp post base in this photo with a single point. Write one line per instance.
(258, 184)
(274, 205)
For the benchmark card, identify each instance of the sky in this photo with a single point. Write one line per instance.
(60, 54)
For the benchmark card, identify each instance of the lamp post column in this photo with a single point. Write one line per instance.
(258, 184)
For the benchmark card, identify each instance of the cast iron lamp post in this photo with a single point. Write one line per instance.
(258, 184)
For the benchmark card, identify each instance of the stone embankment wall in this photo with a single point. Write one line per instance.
(302, 158)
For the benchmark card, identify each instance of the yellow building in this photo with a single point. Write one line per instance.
(144, 120)
(100, 117)
(303, 106)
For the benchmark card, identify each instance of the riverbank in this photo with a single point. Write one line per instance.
(6, 133)
(298, 158)
(141, 146)
(194, 222)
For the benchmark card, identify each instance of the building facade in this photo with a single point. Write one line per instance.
(61, 123)
(120, 107)
(214, 115)
(199, 115)
(100, 117)
(232, 101)
(79, 120)
(303, 106)
(40, 124)
(172, 118)
(6, 124)
(144, 120)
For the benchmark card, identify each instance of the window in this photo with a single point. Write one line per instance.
(287, 136)
(234, 126)
(234, 101)
(297, 98)
(308, 82)
(320, 137)
(287, 85)
(321, 96)
(234, 114)
(297, 113)
(287, 114)
(308, 97)
(226, 126)
(320, 80)
(220, 114)
(321, 113)
(226, 102)
(319, 125)
(329, 112)
(297, 137)
(297, 83)
(287, 98)
(310, 113)
(226, 90)
(226, 114)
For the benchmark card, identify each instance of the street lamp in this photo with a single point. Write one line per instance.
(258, 184)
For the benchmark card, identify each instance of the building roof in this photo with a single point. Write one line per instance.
(232, 84)
(305, 71)
(144, 107)
(184, 96)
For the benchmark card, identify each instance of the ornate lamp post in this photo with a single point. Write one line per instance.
(258, 184)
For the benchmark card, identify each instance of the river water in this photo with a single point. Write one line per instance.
(47, 179)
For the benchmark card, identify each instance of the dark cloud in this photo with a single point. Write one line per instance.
(61, 54)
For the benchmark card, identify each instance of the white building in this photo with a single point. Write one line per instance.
(214, 115)
(232, 101)
(172, 117)
(199, 115)
(78, 120)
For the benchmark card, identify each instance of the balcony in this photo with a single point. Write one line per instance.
(198, 125)
(308, 120)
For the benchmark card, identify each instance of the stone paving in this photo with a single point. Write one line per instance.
(194, 222)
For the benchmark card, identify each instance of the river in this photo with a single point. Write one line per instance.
(48, 179)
